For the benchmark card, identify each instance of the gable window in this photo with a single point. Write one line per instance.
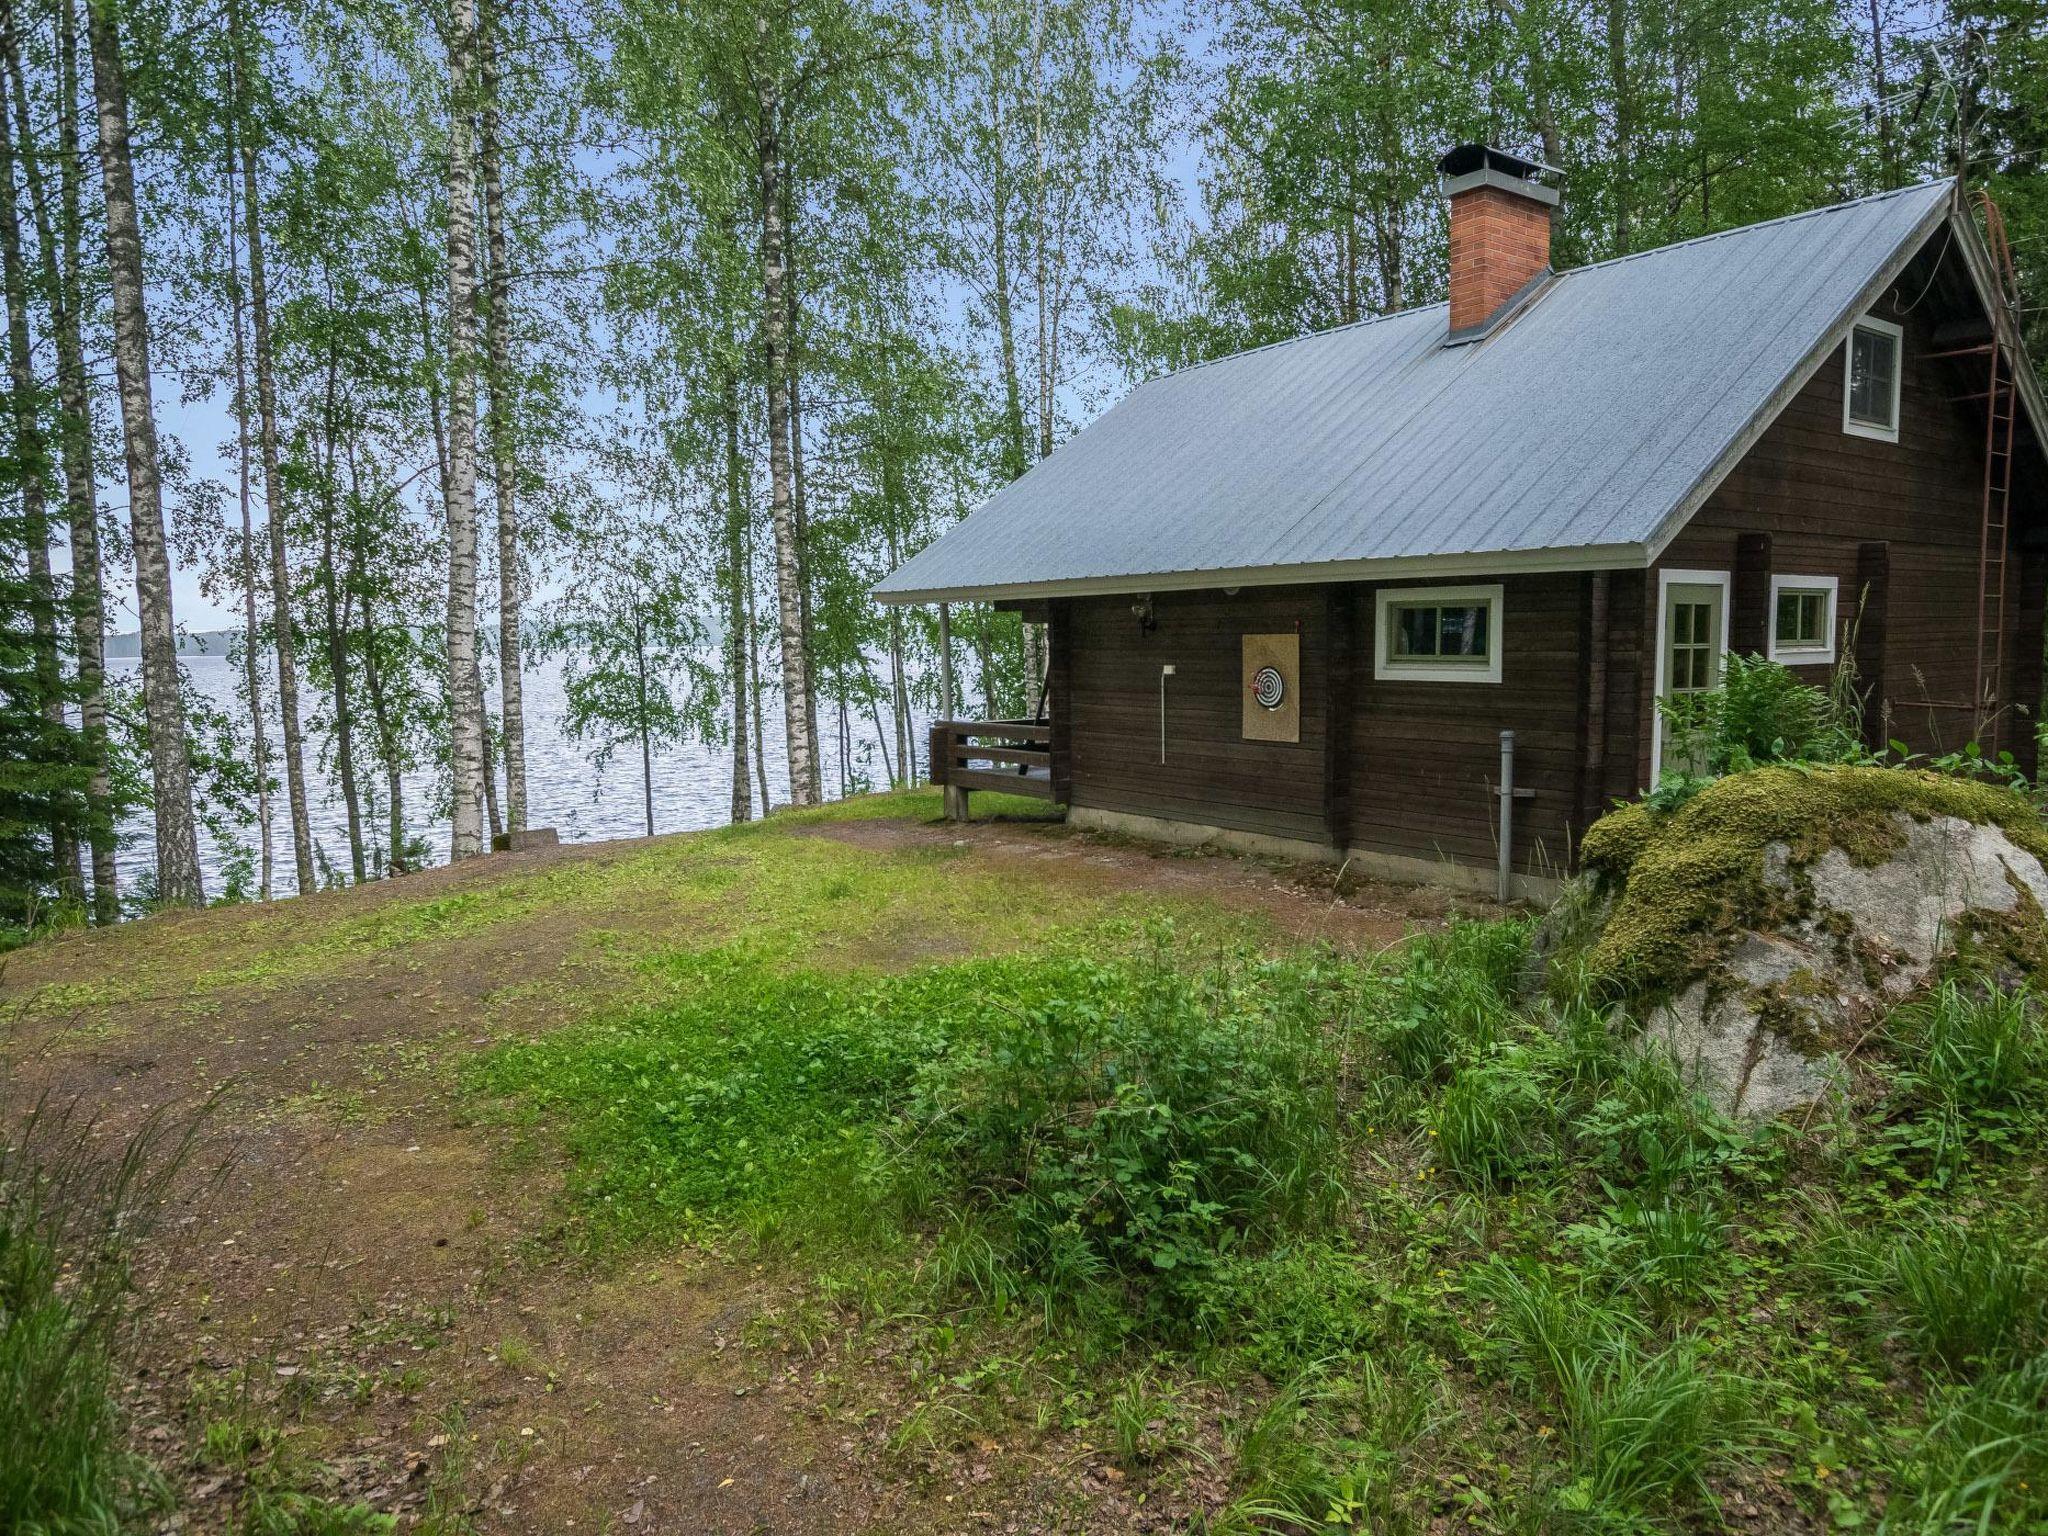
(1870, 389)
(1803, 619)
(1437, 634)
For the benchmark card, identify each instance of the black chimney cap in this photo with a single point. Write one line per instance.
(1464, 158)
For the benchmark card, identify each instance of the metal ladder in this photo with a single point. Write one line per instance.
(2001, 409)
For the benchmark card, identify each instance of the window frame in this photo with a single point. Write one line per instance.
(1819, 655)
(1897, 334)
(1388, 668)
(1667, 579)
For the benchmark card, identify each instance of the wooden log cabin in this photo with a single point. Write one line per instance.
(1295, 596)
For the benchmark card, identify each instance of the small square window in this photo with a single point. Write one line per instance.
(1439, 634)
(1870, 389)
(1803, 619)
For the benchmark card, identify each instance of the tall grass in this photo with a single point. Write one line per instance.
(1969, 1295)
(1970, 1045)
(1982, 1464)
(70, 1213)
(1641, 1425)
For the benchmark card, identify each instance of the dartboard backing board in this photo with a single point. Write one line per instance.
(1272, 688)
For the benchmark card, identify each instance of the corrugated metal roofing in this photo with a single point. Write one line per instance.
(1583, 426)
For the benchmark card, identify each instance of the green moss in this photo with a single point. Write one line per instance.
(1689, 879)
(1612, 843)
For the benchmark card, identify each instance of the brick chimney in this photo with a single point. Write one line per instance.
(1500, 233)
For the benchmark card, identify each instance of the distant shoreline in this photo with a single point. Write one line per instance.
(198, 642)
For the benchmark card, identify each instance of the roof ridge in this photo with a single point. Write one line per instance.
(1287, 341)
(1743, 229)
(1590, 266)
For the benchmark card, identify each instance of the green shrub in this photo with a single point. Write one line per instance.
(1299, 1307)
(1669, 1251)
(1134, 1134)
(1982, 1464)
(1762, 713)
(1969, 1295)
(1451, 994)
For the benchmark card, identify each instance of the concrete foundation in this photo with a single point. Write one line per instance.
(1367, 862)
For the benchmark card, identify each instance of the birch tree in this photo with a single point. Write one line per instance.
(274, 497)
(177, 844)
(501, 418)
(465, 693)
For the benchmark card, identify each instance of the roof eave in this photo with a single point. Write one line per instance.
(1593, 557)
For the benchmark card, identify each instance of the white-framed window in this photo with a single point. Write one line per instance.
(1872, 360)
(1437, 634)
(1803, 619)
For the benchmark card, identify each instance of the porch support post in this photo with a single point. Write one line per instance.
(1059, 718)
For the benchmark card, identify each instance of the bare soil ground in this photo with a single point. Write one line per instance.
(367, 1290)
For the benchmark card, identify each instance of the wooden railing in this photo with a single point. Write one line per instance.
(1010, 757)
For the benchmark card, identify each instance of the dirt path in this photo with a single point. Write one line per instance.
(371, 1299)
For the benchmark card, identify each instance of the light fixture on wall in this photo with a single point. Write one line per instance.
(1141, 610)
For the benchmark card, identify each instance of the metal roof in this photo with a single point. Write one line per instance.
(1582, 434)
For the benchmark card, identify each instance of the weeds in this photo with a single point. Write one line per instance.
(1641, 1425)
(1969, 1295)
(1970, 1045)
(70, 1214)
(1982, 1465)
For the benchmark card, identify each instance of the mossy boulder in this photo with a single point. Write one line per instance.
(1763, 926)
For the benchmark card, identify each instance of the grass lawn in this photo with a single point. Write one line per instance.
(850, 1171)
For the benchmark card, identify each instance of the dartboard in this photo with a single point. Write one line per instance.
(1268, 687)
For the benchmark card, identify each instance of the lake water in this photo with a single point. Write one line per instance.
(565, 788)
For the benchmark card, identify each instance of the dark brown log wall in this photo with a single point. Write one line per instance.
(1907, 513)
(1211, 774)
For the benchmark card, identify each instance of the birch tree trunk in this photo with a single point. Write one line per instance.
(63, 258)
(498, 324)
(31, 461)
(274, 500)
(799, 508)
(465, 696)
(177, 839)
(754, 684)
(252, 668)
(735, 599)
(387, 740)
(796, 670)
(373, 683)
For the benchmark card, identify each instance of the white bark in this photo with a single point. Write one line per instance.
(465, 693)
(177, 842)
(498, 323)
(797, 712)
(260, 736)
(274, 500)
